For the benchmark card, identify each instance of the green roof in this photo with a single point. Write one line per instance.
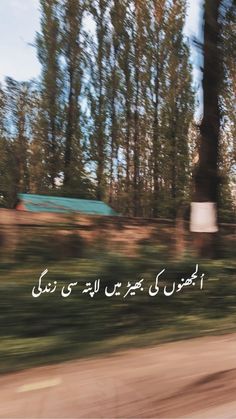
(44, 203)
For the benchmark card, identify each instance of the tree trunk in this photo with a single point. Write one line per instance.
(156, 146)
(69, 134)
(206, 174)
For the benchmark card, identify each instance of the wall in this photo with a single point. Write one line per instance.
(70, 234)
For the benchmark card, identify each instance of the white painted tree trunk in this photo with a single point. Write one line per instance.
(203, 217)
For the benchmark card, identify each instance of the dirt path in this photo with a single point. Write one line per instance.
(188, 379)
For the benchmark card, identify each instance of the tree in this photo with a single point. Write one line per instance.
(98, 90)
(39, 180)
(72, 15)
(114, 86)
(18, 108)
(48, 43)
(203, 217)
(127, 90)
(177, 108)
(7, 184)
(158, 58)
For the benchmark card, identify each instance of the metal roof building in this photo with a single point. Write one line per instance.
(44, 203)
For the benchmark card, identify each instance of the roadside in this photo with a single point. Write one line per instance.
(194, 378)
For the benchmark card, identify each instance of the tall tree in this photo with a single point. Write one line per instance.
(7, 179)
(38, 146)
(228, 94)
(18, 109)
(203, 220)
(72, 15)
(113, 88)
(127, 89)
(48, 43)
(227, 155)
(139, 38)
(98, 90)
(178, 106)
(158, 58)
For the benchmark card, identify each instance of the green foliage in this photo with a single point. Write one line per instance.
(110, 116)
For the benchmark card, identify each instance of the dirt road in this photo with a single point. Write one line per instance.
(188, 379)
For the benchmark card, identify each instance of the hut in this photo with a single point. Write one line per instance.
(56, 204)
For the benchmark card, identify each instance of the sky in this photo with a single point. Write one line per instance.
(19, 21)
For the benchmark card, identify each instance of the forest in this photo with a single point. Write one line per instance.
(113, 114)
(117, 114)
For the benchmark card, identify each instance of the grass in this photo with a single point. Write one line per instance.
(48, 329)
